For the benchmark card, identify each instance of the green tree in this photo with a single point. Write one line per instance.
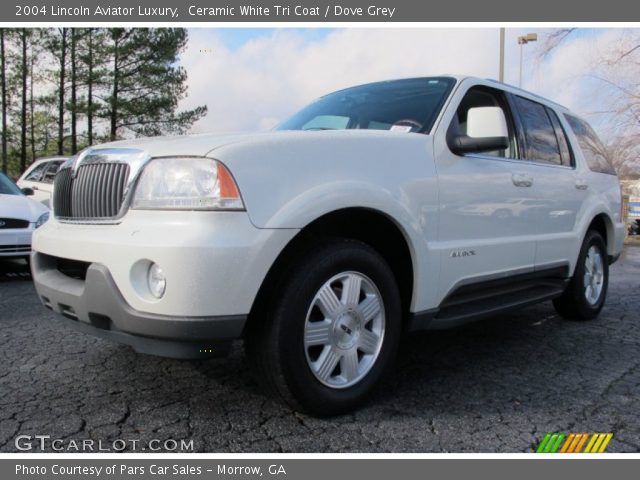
(61, 87)
(24, 76)
(16, 47)
(92, 67)
(57, 44)
(73, 104)
(3, 87)
(146, 84)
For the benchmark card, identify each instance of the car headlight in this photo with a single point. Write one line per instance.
(42, 219)
(186, 184)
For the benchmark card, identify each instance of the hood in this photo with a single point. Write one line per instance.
(203, 144)
(196, 145)
(21, 207)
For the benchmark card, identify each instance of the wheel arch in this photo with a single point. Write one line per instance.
(373, 227)
(603, 224)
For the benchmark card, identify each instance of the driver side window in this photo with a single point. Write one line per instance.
(486, 97)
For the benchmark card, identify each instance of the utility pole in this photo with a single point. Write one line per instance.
(502, 33)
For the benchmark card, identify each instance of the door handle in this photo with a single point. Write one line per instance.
(34, 188)
(522, 179)
(581, 184)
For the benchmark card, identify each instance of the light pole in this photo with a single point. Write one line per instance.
(501, 72)
(523, 40)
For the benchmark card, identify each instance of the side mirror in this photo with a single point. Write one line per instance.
(486, 131)
(28, 191)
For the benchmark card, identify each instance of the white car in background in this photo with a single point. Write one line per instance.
(39, 178)
(19, 217)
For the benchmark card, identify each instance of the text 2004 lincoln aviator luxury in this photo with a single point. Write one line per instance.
(379, 209)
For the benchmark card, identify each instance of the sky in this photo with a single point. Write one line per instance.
(253, 78)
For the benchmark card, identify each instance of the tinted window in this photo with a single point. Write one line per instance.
(36, 173)
(594, 152)
(408, 105)
(51, 172)
(539, 134)
(565, 151)
(7, 187)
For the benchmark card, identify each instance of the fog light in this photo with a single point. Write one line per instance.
(157, 280)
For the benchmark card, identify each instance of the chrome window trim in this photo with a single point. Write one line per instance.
(519, 160)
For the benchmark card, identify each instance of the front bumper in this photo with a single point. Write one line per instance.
(95, 306)
(214, 264)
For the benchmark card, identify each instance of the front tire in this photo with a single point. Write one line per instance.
(332, 331)
(586, 293)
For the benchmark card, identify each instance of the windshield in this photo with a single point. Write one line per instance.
(410, 105)
(7, 187)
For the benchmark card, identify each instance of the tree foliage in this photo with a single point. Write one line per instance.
(614, 70)
(146, 83)
(64, 89)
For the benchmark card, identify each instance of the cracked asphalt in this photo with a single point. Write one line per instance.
(494, 386)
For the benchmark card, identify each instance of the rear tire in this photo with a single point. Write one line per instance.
(332, 330)
(586, 293)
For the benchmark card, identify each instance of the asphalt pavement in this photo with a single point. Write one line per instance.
(498, 385)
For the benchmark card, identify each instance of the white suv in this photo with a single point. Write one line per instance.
(389, 207)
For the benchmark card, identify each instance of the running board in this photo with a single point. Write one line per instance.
(486, 298)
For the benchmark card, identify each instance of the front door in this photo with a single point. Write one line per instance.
(488, 204)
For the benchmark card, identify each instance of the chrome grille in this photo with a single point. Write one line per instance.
(96, 192)
(62, 193)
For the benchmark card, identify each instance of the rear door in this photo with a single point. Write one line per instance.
(561, 189)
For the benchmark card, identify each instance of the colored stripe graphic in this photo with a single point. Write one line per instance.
(571, 439)
(580, 444)
(550, 443)
(543, 443)
(574, 442)
(598, 443)
(591, 443)
(556, 445)
(558, 442)
(607, 439)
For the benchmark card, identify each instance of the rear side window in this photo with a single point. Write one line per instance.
(592, 149)
(539, 134)
(565, 150)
